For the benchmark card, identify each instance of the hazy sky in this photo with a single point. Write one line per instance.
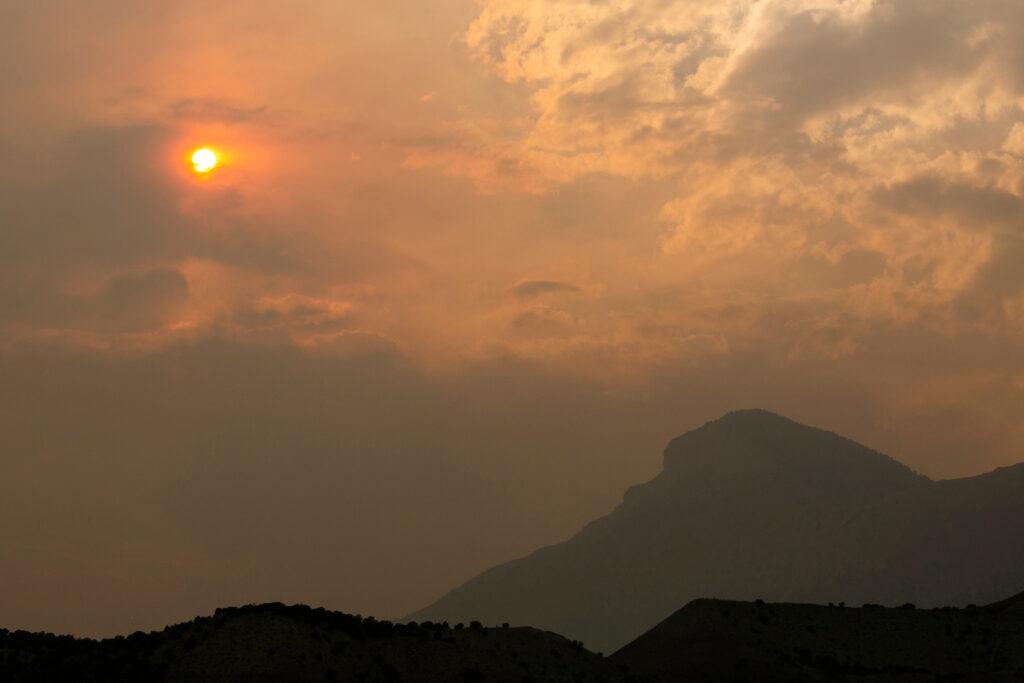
(465, 268)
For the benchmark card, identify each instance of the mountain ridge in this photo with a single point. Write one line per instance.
(707, 639)
(276, 642)
(754, 505)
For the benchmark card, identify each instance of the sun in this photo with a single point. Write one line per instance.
(204, 160)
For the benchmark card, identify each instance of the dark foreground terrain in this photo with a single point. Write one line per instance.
(708, 640)
(277, 643)
(720, 640)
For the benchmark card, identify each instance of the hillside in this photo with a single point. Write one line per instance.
(707, 640)
(720, 640)
(754, 505)
(278, 643)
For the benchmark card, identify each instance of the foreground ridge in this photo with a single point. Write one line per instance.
(725, 640)
(275, 642)
(707, 640)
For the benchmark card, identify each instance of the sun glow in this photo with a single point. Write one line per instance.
(204, 160)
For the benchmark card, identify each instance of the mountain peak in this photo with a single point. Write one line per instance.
(756, 438)
(757, 422)
(748, 415)
(754, 423)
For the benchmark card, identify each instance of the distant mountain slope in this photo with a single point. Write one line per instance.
(274, 643)
(1013, 606)
(757, 506)
(718, 640)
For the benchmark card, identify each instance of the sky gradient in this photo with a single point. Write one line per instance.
(465, 268)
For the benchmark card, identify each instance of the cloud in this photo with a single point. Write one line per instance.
(542, 322)
(105, 202)
(792, 128)
(116, 196)
(531, 289)
(972, 205)
(142, 299)
(214, 109)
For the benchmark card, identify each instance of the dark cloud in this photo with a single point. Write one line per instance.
(973, 206)
(106, 202)
(125, 302)
(212, 109)
(141, 299)
(531, 289)
(295, 316)
(542, 322)
(997, 288)
(815, 60)
(116, 199)
(850, 268)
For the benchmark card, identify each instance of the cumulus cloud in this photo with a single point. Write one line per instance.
(796, 130)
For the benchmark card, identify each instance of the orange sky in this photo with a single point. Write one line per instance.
(477, 258)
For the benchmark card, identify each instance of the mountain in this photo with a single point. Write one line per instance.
(260, 644)
(1014, 606)
(720, 640)
(754, 505)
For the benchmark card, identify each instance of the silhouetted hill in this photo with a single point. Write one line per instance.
(276, 643)
(719, 640)
(757, 506)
